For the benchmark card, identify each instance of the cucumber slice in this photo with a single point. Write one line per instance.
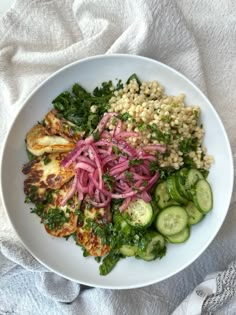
(162, 196)
(180, 183)
(202, 197)
(156, 243)
(171, 220)
(180, 237)
(174, 193)
(194, 215)
(146, 257)
(140, 213)
(193, 176)
(128, 250)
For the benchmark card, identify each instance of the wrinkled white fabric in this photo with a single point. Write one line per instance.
(37, 37)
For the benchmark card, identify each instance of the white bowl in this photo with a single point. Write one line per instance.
(64, 257)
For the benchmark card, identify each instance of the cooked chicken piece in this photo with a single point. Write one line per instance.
(62, 127)
(39, 142)
(87, 238)
(45, 173)
(57, 210)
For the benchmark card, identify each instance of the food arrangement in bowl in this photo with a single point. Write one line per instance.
(122, 170)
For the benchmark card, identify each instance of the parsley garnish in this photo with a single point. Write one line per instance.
(159, 135)
(189, 144)
(116, 150)
(54, 218)
(108, 180)
(125, 116)
(129, 176)
(96, 135)
(135, 162)
(145, 183)
(46, 160)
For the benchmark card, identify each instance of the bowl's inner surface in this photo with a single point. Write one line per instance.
(64, 256)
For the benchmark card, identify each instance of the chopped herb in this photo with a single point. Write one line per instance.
(96, 135)
(43, 123)
(38, 209)
(27, 199)
(135, 162)
(46, 160)
(196, 114)
(69, 202)
(73, 235)
(108, 180)
(85, 252)
(188, 162)
(116, 150)
(166, 119)
(31, 157)
(189, 144)
(32, 194)
(125, 116)
(49, 196)
(142, 126)
(114, 121)
(54, 218)
(159, 135)
(129, 176)
(145, 183)
(98, 259)
(163, 172)
(134, 77)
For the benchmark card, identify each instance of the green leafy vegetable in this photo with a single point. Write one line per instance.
(31, 157)
(135, 162)
(75, 106)
(189, 144)
(54, 218)
(188, 162)
(108, 180)
(159, 135)
(116, 150)
(164, 172)
(134, 77)
(129, 176)
(46, 160)
(96, 135)
(125, 116)
(109, 262)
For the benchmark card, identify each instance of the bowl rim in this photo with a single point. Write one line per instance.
(105, 56)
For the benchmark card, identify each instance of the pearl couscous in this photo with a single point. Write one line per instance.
(162, 119)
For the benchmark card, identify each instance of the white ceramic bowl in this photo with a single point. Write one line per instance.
(65, 258)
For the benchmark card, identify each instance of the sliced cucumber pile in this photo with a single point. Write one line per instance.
(178, 202)
(184, 199)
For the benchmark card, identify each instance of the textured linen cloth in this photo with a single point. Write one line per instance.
(196, 37)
